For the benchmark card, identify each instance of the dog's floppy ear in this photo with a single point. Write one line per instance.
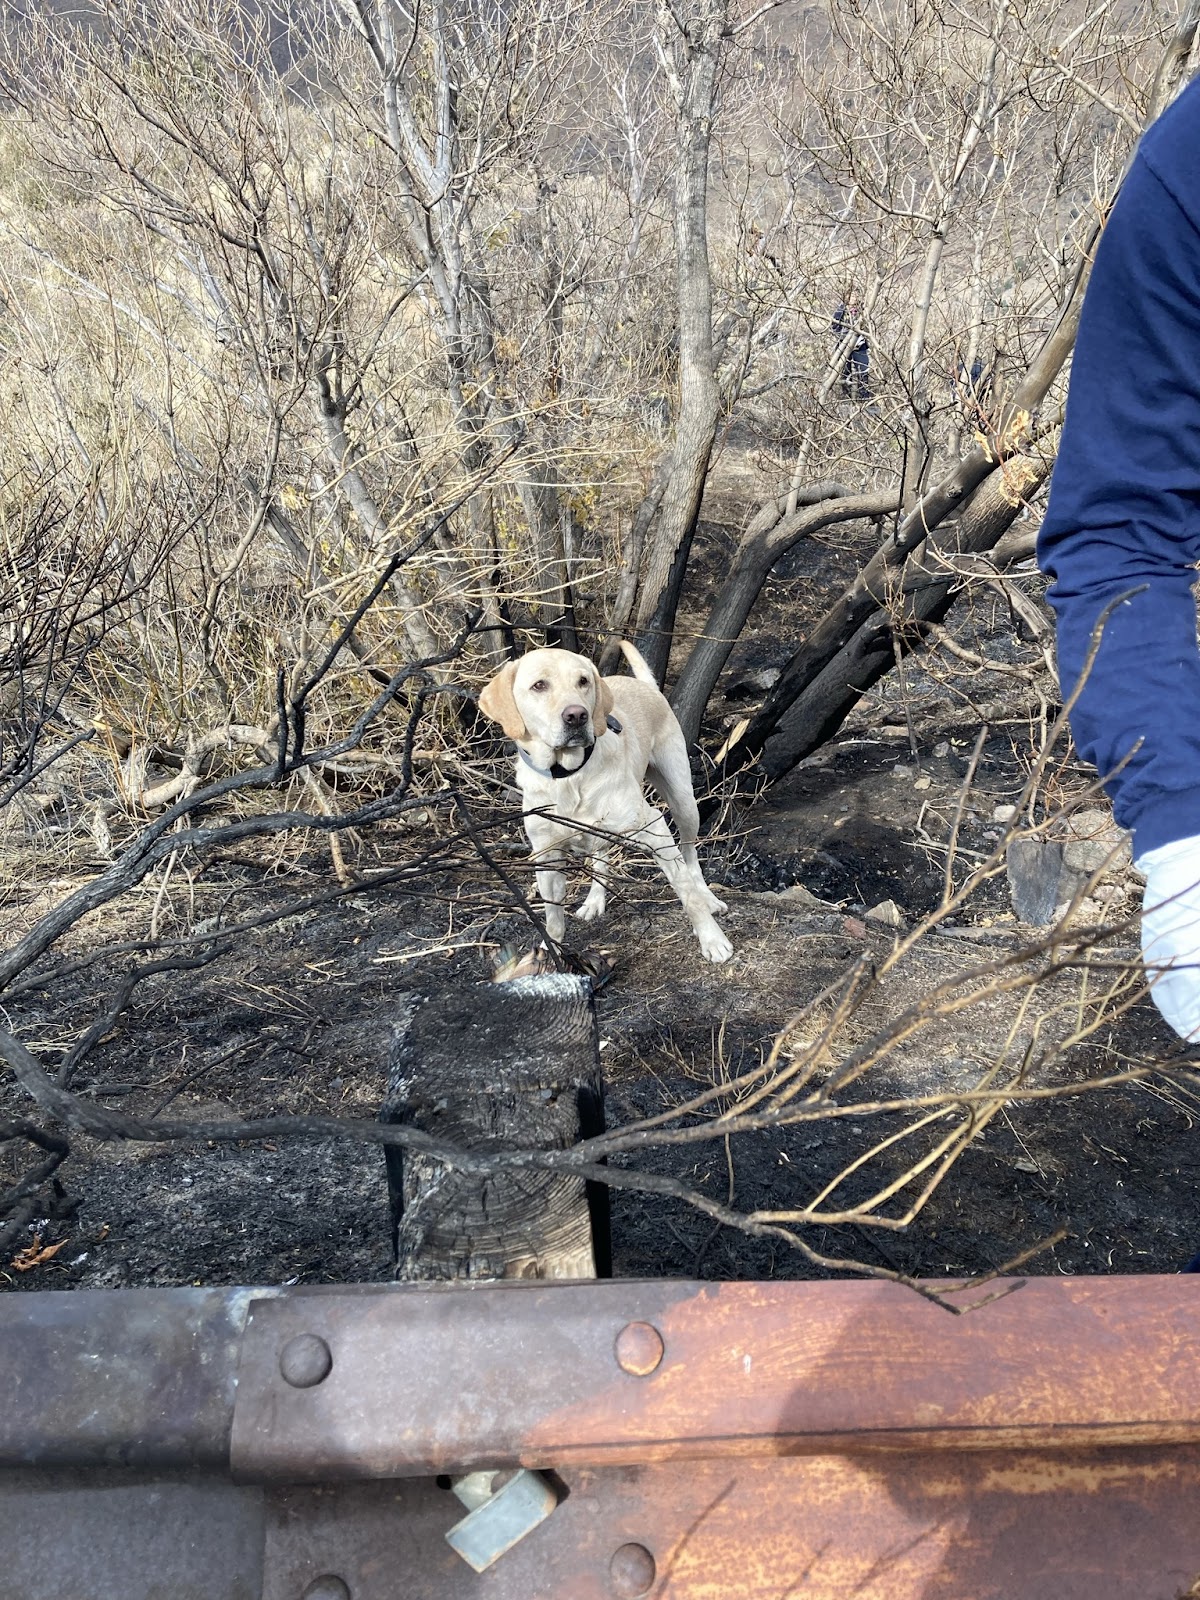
(604, 705)
(496, 701)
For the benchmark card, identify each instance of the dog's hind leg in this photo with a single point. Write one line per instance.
(672, 779)
(694, 895)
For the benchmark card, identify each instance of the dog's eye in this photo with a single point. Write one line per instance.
(540, 686)
(583, 682)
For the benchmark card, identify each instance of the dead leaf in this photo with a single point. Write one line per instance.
(738, 730)
(34, 1254)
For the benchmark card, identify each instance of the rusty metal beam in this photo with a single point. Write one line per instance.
(975, 1525)
(132, 1378)
(128, 1536)
(754, 1440)
(983, 1525)
(429, 1380)
(418, 1380)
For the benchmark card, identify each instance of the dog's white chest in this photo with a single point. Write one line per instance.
(583, 807)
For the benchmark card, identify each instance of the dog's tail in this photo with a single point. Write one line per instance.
(637, 665)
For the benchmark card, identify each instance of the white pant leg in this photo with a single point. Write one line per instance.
(1171, 932)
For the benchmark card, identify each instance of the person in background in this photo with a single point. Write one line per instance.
(973, 383)
(1122, 531)
(856, 373)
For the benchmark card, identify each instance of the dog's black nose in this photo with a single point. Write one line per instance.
(574, 717)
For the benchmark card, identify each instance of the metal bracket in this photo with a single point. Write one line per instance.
(499, 1515)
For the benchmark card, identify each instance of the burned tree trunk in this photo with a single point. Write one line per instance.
(498, 1066)
(771, 534)
(929, 588)
(983, 479)
(689, 49)
(929, 592)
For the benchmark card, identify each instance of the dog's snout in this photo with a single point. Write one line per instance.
(574, 716)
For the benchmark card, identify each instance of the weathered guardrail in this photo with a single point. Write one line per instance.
(816, 1439)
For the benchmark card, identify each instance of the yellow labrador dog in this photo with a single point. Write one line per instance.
(585, 747)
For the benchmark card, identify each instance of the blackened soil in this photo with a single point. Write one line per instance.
(298, 1018)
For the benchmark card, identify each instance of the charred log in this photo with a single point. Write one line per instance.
(494, 1067)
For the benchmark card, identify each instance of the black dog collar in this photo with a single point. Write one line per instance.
(559, 771)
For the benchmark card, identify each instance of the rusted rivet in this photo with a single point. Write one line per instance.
(631, 1571)
(639, 1350)
(327, 1587)
(304, 1362)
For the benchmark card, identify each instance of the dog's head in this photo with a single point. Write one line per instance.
(553, 696)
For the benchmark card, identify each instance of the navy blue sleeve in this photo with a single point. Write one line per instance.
(1124, 508)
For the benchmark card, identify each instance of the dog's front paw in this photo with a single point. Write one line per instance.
(592, 908)
(714, 946)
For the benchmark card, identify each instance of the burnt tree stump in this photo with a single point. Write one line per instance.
(498, 1066)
